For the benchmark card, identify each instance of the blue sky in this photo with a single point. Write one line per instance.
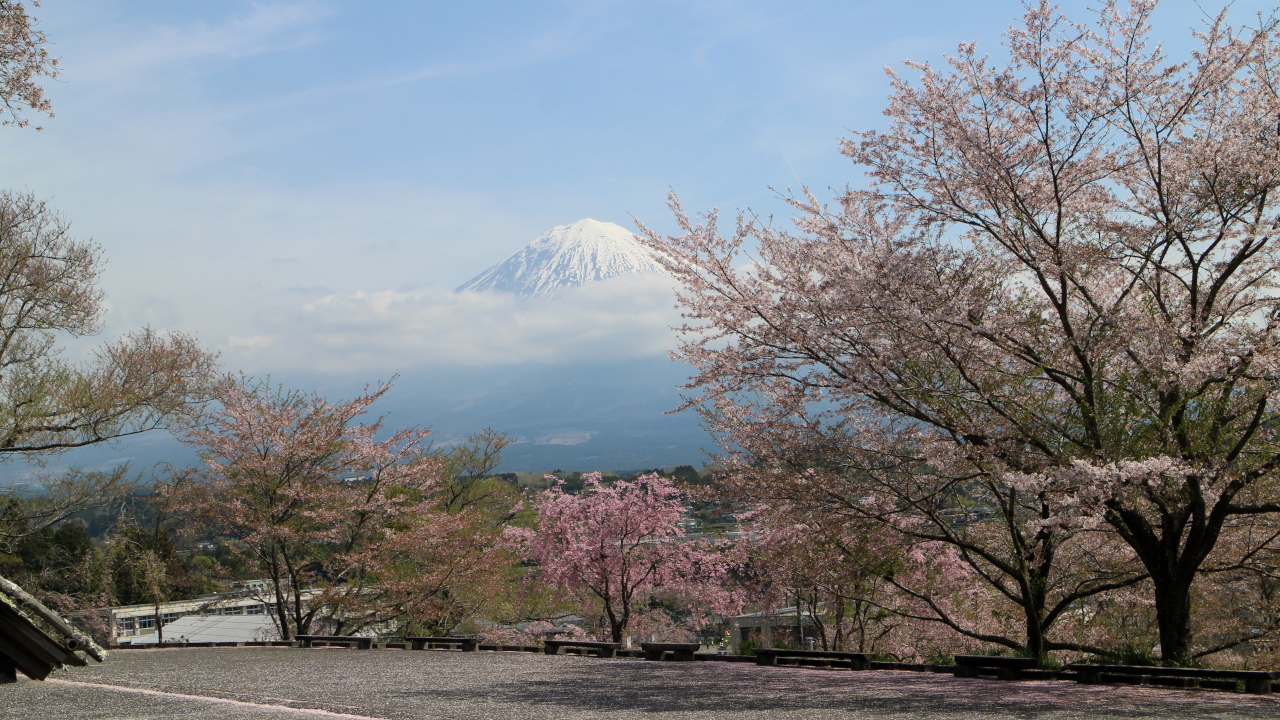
(249, 166)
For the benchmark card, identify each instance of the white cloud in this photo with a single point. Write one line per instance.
(386, 330)
(565, 437)
(252, 342)
(124, 52)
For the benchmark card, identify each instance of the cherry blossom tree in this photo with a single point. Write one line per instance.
(1238, 597)
(1056, 305)
(942, 551)
(314, 498)
(23, 59)
(620, 544)
(423, 573)
(867, 587)
(831, 565)
(48, 288)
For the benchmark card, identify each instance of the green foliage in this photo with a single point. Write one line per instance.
(687, 475)
(472, 484)
(1130, 654)
(938, 657)
(49, 558)
(1185, 663)
(1047, 662)
(146, 567)
(140, 505)
(53, 500)
(120, 563)
(469, 467)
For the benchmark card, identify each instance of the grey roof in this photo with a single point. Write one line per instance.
(35, 638)
(212, 628)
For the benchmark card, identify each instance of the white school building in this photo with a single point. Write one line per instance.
(239, 615)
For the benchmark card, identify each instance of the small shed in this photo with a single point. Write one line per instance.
(34, 640)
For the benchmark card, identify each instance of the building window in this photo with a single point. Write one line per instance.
(146, 622)
(124, 623)
(234, 611)
(253, 610)
(170, 617)
(212, 611)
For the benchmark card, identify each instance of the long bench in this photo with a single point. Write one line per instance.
(361, 643)
(679, 651)
(599, 649)
(1007, 668)
(465, 644)
(1257, 682)
(769, 656)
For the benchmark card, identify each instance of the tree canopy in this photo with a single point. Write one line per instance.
(1058, 298)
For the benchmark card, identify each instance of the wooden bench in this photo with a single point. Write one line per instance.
(361, 643)
(465, 644)
(769, 656)
(1007, 668)
(679, 651)
(599, 649)
(1256, 682)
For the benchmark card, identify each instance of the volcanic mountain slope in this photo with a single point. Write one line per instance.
(566, 256)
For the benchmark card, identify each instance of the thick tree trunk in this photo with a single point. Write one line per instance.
(1172, 558)
(301, 622)
(1034, 597)
(619, 626)
(1173, 614)
(281, 608)
(1035, 633)
(282, 612)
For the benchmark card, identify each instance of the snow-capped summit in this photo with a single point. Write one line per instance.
(565, 256)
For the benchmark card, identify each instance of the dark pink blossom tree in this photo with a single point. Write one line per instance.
(621, 543)
(1056, 308)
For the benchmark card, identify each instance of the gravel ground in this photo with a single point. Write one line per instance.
(271, 683)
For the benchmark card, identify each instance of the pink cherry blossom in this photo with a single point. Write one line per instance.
(619, 544)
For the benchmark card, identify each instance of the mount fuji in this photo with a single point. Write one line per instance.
(584, 414)
(566, 256)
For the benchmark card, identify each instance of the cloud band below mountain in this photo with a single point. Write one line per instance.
(614, 319)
